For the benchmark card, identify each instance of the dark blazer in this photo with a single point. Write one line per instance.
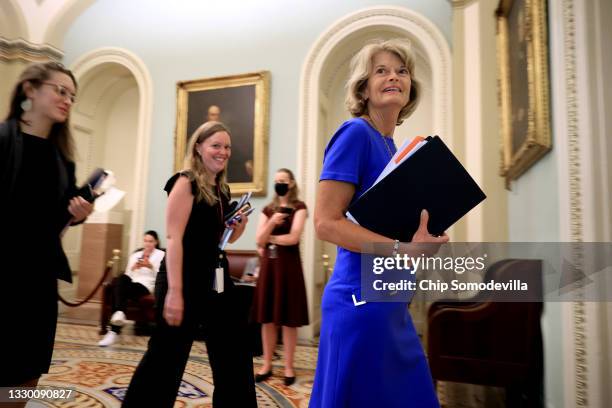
(11, 153)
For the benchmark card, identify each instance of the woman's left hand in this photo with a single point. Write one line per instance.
(240, 225)
(79, 208)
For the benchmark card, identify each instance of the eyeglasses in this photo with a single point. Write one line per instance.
(62, 91)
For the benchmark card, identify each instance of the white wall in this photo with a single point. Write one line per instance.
(533, 216)
(119, 155)
(121, 140)
(196, 39)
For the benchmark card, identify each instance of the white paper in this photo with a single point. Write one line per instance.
(392, 164)
(108, 200)
(350, 217)
(218, 284)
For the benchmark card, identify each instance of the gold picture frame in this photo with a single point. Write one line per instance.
(242, 101)
(522, 53)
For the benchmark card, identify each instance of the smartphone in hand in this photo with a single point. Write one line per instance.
(286, 210)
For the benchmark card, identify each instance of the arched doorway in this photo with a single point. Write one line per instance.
(321, 109)
(111, 122)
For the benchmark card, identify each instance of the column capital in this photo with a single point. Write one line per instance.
(461, 3)
(21, 50)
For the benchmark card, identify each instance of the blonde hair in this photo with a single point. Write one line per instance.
(195, 169)
(361, 68)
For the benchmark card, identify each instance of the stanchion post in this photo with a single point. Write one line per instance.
(114, 262)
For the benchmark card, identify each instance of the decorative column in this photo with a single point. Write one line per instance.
(580, 65)
(15, 55)
(476, 117)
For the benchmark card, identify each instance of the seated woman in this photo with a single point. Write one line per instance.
(137, 281)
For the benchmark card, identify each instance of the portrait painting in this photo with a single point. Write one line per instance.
(523, 84)
(241, 103)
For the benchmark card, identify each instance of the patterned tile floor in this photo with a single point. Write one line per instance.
(101, 375)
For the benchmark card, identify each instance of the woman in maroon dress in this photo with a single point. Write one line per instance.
(280, 298)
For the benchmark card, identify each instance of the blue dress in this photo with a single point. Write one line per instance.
(369, 355)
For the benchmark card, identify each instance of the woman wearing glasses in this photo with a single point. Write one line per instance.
(37, 184)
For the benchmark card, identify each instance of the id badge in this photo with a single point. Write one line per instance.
(218, 285)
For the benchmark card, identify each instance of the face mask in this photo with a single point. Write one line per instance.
(281, 188)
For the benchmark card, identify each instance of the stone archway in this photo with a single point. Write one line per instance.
(434, 51)
(94, 63)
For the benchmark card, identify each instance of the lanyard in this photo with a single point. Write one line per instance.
(220, 210)
(222, 223)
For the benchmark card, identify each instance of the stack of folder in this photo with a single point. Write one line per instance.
(237, 208)
(423, 174)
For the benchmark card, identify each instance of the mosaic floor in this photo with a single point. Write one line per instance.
(101, 375)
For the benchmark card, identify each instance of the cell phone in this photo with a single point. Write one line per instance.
(238, 216)
(87, 193)
(285, 210)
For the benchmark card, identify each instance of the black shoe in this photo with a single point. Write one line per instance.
(263, 377)
(289, 380)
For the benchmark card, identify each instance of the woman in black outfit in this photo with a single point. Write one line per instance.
(198, 197)
(38, 200)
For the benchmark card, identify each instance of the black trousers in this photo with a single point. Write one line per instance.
(125, 289)
(158, 376)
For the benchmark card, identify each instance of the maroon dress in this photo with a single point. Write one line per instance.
(280, 296)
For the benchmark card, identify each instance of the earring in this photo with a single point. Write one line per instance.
(26, 105)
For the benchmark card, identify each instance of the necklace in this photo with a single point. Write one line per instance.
(387, 146)
(369, 120)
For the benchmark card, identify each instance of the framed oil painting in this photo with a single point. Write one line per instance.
(242, 103)
(522, 41)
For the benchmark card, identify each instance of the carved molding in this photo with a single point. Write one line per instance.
(579, 315)
(461, 3)
(22, 50)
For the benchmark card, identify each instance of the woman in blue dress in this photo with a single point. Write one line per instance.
(369, 354)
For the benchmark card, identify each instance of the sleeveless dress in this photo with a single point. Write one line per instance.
(280, 295)
(158, 376)
(369, 355)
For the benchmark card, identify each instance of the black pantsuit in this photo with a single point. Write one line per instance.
(36, 184)
(157, 379)
(125, 289)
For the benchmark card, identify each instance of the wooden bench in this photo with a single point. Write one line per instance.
(492, 341)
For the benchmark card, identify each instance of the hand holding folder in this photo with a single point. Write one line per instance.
(99, 184)
(238, 210)
(428, 177)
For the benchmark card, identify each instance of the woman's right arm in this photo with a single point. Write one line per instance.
(266, 226)
(333, 198)
(180, 202)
